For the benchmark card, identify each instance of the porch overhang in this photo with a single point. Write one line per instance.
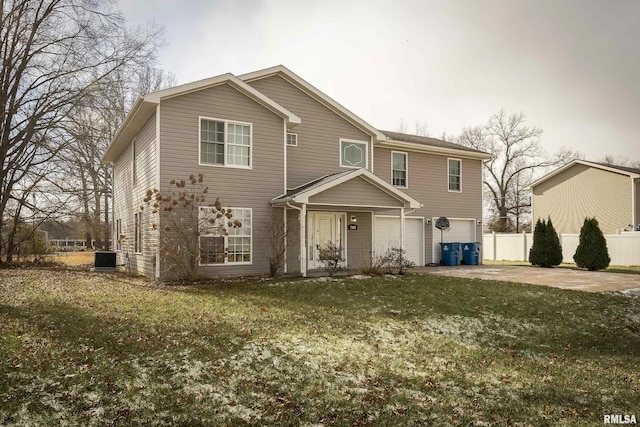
(356, 188)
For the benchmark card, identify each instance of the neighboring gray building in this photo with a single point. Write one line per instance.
(582, 189)
(269, 142)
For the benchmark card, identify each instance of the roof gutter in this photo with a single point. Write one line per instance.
(411, 146)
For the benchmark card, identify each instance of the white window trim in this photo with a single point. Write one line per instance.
(226, 263)
(295, 135)
(226, 132)
(366, 154)
(448, 175)
(406, 171)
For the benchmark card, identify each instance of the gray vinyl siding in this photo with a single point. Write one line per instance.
(428, 183)
(293, 241)
(582, 191)
(318, 149)
(356, 192)
(127, 199)
(359, 241)
(238, 188)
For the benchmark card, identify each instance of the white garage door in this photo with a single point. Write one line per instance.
(387, 235)
(462, 230)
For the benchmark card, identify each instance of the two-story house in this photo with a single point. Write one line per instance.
(269, 144)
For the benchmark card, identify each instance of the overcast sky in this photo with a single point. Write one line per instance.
(572, 67)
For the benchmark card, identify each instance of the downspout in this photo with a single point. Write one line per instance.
(284, 236)
(633, 204)
(402, 229)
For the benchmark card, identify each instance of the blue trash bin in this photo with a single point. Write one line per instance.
(471, 253)
(450, 253)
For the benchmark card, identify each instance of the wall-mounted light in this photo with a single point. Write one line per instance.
(479, 222)
(428, 221)
(353, 218)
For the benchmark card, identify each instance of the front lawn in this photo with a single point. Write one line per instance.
(98, 349)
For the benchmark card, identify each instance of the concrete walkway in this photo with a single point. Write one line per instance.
(565, 278)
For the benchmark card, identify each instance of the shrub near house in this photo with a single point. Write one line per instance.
(592, 252)
(546, 250)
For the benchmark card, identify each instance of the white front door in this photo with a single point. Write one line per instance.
(323, 228)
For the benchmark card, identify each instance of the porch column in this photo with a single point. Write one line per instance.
(402, 229)
(303, 240)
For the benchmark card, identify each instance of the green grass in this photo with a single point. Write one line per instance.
(88, 349)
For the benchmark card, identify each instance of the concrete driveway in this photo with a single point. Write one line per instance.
(589, 281)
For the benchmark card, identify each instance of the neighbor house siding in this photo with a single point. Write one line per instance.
(239, 188)
(582, 191)
(318, 149)
(127, 199)
(355, 192)
(428, 183)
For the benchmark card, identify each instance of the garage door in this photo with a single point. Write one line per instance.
(387, 235)
(462, 230)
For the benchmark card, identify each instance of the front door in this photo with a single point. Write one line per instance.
(324, 228)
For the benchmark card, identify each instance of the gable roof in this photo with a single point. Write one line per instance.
(146, 105)
(302, 193)
(315, 93)
(623, 170)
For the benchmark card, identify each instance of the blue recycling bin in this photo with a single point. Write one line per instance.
(471, 253)
(450, 253)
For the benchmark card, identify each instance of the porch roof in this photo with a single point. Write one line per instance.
(305, 192)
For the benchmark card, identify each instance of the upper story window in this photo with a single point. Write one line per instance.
(399, 169)
(353, 154)
(225, 143)
(292, 139)
(454, 167)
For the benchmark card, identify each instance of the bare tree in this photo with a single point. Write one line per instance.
(54, 53)
(421, 128)
(93, 123)
(620, 161)
(518, 157)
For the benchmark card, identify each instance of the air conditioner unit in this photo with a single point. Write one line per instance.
(104, 261)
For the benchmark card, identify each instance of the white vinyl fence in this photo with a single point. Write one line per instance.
(624, 248)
